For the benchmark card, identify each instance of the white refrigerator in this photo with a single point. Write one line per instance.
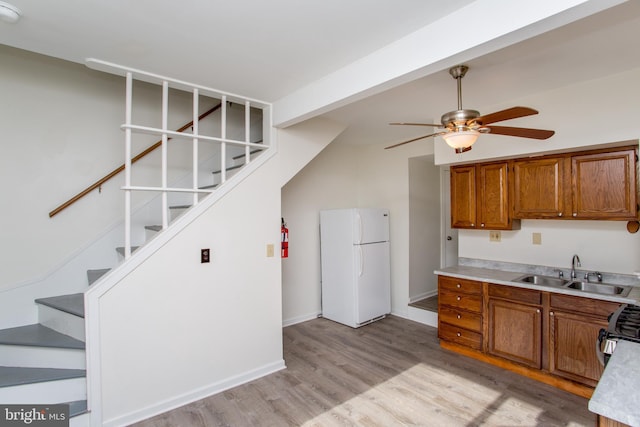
(354, 254)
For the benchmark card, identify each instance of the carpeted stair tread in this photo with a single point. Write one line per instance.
(38, 336)
(76, 408)
(72, 304)
(13, 376)
(93, 275)
(120, 249)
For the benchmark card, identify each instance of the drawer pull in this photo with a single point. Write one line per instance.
(459, 334)
(458, 285)
(458, 298)
(459, 317)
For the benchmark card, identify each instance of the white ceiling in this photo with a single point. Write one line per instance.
(263, 49)
(269, 49)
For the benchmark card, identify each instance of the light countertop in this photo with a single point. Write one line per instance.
(503, 277)
(617, 395)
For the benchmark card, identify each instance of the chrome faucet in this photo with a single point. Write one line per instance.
(593, 273)
(575, 261)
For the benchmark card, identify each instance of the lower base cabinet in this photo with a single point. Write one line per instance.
(515, 332)
(549, 334)
(574, 324)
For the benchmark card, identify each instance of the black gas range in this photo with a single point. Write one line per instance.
(624, 324)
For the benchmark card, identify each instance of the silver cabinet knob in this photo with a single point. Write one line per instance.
(458, 285)
(482, 225)
(458, 298)
(459, 334)
(559, 213)
(459, 317)
(575, 214)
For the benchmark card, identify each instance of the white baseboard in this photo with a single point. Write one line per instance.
(423, 296)
(194, 395)
(429, 318)
(300, 319)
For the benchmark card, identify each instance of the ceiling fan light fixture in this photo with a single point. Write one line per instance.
(9, 13)
(461, 141)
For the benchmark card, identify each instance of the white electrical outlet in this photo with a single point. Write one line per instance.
(495, 236)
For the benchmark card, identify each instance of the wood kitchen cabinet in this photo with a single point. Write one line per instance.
(538, 189)
(600, 184)
(480, 197)
(515, 325)
(547, 336)
(574, 323)
(460, 305)
(604, 185)
(463, 197)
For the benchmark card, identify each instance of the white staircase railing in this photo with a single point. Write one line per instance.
(195, 137)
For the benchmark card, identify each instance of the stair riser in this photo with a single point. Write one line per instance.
(62, 322)
(79, 421)
(176, 212)
(46, 392)
(149, 234)
(42, 357)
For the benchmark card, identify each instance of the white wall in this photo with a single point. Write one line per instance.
(175, 329)
(344, 176)
(424, 226)
(583, 115)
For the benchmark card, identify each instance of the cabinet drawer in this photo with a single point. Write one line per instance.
(512, 293)
(461, 318)
(459, 335)
(460, 285)
(583, 305)
(461, 300)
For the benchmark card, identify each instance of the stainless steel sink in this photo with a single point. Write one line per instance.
(600, 288)
(541, 280)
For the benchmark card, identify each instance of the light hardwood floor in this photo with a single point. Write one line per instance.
(389, 373)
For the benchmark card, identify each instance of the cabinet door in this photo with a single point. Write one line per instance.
(493, 200)
(515, 332)
(463, 196)
(573, 346)
(604, 186)
(538, 188)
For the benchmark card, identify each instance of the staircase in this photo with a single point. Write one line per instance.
(45, 363)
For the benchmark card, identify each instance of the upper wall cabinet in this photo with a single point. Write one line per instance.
(592, 185)
(603, 185)
(480, 197)
(539, 187)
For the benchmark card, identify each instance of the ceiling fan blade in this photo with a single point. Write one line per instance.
(508, 114)
(415, 124)
(521, 132)
(414, 139)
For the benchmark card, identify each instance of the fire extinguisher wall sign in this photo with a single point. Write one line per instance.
(284, 239)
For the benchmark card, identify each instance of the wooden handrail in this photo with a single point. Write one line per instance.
(116, 171)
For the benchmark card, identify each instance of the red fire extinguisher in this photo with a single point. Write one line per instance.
(284, 237)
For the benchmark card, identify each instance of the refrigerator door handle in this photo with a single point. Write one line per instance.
(359, 241)
(361, 261)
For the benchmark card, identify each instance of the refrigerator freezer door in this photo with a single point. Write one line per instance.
(373, 283)
(370, 226)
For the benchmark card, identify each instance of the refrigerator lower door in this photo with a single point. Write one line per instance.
(373, 282)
